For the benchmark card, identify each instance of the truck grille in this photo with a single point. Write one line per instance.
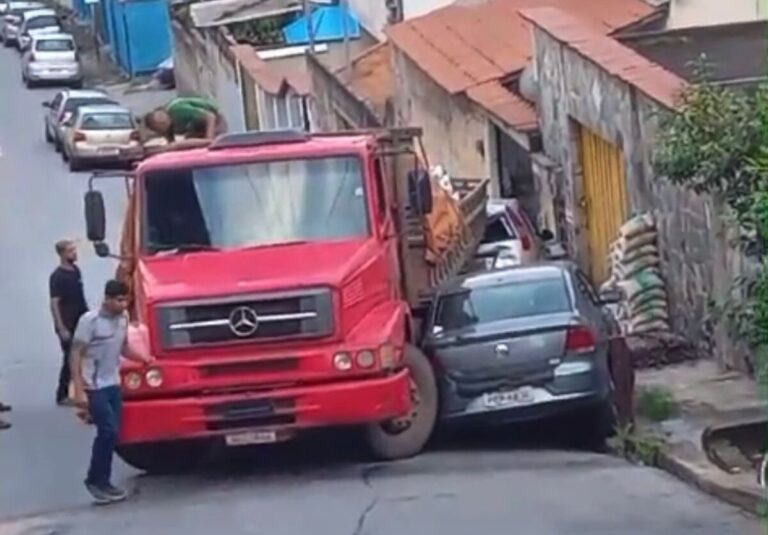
(270, 317)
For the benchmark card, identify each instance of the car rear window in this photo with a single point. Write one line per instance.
(496, 231)
(106, 121)
(43, 21)
(73, 103)
(502, 302)
(55, 45)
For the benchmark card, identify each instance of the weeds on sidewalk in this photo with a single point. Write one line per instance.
(637, 446)
(656, 404)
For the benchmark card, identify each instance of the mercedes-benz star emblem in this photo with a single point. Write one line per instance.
(502, 351)
(243, 321)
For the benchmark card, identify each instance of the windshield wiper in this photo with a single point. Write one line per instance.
(177, 248)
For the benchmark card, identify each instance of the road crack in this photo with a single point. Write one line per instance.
(365, 475)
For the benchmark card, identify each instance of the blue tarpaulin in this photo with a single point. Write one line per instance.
(327, 24)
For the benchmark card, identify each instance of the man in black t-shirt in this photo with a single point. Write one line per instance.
(67, 305)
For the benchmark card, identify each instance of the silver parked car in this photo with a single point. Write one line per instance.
(52, 58)
(102, 134)
(10, 23)
(37, 22)
(524, 343)
(63, 106)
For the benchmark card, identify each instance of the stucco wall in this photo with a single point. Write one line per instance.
(697, 261)
(455, 131)
(688, 13)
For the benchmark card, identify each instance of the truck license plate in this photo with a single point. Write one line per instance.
(250, 438)
(513, 398)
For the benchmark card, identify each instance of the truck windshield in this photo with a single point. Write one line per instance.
(255, 204)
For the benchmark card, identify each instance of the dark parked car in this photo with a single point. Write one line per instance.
(524, 343)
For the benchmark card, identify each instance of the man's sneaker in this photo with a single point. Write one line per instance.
(115, 494)
(5, 408)
(4, 425)
(100, 494)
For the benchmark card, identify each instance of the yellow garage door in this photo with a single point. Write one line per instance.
(605, 198)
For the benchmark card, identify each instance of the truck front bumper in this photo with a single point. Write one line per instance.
(282, 411)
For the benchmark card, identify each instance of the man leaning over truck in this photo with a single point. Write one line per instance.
(197, 119)
(99, 341)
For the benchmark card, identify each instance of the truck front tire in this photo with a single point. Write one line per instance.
(164, 458)
(403, 438)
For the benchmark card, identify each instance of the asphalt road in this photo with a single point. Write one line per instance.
(494, 483)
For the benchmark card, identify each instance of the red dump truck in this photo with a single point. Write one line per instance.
(279, 278)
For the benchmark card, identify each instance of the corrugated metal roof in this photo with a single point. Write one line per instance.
(615, 58)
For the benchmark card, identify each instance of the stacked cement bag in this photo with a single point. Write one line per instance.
(636, 270)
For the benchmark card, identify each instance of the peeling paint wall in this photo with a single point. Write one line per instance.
(455, 130)
(202, 68)
(698, 261)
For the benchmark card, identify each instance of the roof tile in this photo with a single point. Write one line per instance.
(617, 59)
(460, 46)
(504, 104)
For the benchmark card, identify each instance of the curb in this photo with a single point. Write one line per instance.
(745, 499)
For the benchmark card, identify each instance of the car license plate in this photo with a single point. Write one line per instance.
(250, 438)
(109, 150)
(513, 398)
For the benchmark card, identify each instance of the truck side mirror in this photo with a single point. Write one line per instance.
(420, 192)
(95, 216)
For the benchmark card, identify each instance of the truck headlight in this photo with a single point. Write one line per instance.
(342, 362)
(132, 381)
(154, 378)
(366, 359)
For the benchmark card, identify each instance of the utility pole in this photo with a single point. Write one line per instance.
(310, 27)
(344, 26)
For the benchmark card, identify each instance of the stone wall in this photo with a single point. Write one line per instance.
(455, 130)
(698, 261)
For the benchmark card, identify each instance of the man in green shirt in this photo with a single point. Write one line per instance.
(195, 118)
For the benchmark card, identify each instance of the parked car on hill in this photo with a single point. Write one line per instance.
(37, 22)
(12, 19)
(510, 237)
(61, 108)
(523, 343)
(101, 134)
(52, 58)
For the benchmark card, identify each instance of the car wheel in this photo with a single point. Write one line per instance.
(48, 136)
(57, 146)
(599, 424)
(74, 165)
(164, 458)
(407, 436)
(77, 85)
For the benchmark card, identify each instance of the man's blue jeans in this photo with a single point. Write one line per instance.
(105, 406)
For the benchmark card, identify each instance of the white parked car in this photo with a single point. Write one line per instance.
(510, 237)
(63, 106)
(102, 134)
(37, 22)
(52, 58)
(11, 20)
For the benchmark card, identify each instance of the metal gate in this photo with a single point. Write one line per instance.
(604, 201)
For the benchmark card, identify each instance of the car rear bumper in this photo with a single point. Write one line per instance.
(71, 77)
(578, 384)
(281, 411)
(124, 154)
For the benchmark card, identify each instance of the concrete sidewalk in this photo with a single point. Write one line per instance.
(709, 402)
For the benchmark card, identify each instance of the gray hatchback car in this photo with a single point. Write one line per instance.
(524, 343)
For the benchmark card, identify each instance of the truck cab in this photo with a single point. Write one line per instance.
(267, 275)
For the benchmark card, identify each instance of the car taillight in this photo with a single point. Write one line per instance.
(579, 339)
(135, 136)
(525, 240)
(78, 136)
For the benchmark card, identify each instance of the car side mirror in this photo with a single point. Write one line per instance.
(546, 235)
(437, 330)
(610, 296)
(95, 219)
(47, 104)
(555, 251)
(420, 192)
